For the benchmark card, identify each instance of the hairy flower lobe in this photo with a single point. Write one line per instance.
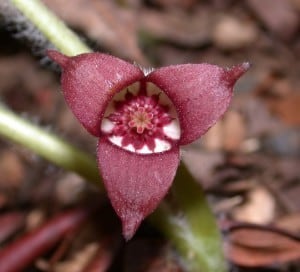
(141, 120)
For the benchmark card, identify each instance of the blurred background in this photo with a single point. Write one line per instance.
(248, 163)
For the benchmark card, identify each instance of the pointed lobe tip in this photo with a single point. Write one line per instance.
(135, 183)
(58, 57)
(243, 67)
(235, 72)
(246, 65)
(130, 225)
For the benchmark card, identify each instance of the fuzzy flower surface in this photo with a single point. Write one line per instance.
(141, 120)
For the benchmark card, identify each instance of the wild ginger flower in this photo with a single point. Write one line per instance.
(141, 120)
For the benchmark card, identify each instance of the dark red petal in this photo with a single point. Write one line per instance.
(135, 183)
(200, 92)
(90, 80)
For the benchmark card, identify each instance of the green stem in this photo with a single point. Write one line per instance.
(188, 222)
(47, 145)
(53, 28)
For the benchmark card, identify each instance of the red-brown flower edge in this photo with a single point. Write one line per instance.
(141, 119)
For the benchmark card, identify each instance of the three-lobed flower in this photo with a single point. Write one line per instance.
(141, 120)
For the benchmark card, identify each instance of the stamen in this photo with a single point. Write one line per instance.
(141, 119)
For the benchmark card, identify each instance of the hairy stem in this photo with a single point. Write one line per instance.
(53, 28)
(47, 145)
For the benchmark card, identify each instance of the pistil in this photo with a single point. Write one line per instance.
(139, 121)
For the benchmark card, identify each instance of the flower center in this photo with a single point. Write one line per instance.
(141, 119)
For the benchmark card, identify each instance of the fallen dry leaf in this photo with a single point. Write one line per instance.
(290, 222)
(287, 108)
(12, 170)
(234, 130)
(231, 33)
(79, 260)
(202, 165)
(154, 257)
(188, 30)
(213, 139)
(277, 15)
(10, 222)
(103, 257)
(175, 4)
(250, 245)
(258, 208)
(228, 134)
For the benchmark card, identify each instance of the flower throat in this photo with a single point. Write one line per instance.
(141, 119)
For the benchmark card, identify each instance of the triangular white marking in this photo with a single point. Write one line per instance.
(107, 126)
(172, 130)
(161, 146)
(144, 150)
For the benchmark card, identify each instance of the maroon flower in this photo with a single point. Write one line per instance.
(141, 119)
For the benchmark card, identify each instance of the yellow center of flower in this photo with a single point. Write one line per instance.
(141, 120)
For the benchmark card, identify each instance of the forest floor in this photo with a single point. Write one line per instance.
(248, 162)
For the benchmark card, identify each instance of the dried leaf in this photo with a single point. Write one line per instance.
(154, 256)
(18, 255)
(103, 257)
(10, 222)
(187, 30)
(290, 222)
(232, 33)
(77, 262)
(287, 108)
(261, 246)
(259, 207)
(277, 15)
(12, 170)
(234, 130)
